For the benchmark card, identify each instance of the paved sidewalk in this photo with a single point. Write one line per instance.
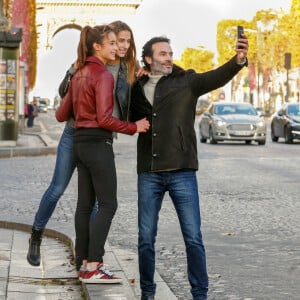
(56, 277)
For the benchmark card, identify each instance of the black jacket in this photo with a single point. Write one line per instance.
(171, 142)
(122, 92)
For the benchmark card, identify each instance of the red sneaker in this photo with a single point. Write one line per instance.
(99, 275)
(81, 272)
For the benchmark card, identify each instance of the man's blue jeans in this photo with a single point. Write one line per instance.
(64, 169)
(183, 190)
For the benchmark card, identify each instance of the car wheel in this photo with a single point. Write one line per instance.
(273, 137)
(287, 136)
(263, 142)
(211, 136)
(248, 142)
(202, 139)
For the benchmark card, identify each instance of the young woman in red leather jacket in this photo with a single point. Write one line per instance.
(90, 100)
(123, 69)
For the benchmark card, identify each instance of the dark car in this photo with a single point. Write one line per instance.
(228, 121)
(285, 123)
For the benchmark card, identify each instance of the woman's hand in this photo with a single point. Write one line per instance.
(142, 125)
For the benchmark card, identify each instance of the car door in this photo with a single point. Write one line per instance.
(205, 122)
(282, 120)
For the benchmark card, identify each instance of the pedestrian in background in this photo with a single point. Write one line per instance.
(167, 154)
(32, 112)
(123, 69)
(90, 100)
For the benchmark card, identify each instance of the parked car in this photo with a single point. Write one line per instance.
(285, 123)
(227, 121)
(43, 108)
(202, 105)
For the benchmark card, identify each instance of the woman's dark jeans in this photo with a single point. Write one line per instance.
(96, 182)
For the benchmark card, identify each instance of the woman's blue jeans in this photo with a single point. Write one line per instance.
(183, 190)
(64, 169)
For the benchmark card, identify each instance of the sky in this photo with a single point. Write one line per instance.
(187, 23)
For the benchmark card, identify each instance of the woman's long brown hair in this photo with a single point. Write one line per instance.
(130, 57)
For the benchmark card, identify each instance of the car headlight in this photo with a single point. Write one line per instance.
(220, 123)
(260, 124)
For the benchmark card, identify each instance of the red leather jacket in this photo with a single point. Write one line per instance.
(90, 100)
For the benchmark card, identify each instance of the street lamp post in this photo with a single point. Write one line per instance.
(287, 65)
(10, 39)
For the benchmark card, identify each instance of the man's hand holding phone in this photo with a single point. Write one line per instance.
(241, 46)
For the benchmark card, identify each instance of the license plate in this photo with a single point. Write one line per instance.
(242, 133)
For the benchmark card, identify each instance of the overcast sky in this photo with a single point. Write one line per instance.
(188, 23)
(191, 23)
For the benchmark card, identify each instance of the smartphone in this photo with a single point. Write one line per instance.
(240, 32)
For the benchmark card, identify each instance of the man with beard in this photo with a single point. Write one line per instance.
(167, 154)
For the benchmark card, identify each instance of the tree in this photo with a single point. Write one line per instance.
(199, 59)
(23, 15)
(291, 28)
(226, 42)
(270, 34)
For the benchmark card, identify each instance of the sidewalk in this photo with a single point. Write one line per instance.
(56, 278)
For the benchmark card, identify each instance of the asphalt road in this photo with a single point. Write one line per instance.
(249, 205)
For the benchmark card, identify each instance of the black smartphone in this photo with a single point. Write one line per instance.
(240, 33)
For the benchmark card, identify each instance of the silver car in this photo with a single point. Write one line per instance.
(227, 121)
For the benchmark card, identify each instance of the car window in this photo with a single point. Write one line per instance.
(294, 110)
(224, 109)
(234, 109)
(228, 110)
(218, 109)
(244, 110)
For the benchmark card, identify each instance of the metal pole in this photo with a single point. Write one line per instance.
(287, 65)
(287, 86)
(258, 88)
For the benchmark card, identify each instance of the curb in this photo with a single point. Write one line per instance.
(50, 147)
(16, 152)
(51, 233)
(124, 291)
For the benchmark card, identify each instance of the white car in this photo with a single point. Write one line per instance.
(228, 121)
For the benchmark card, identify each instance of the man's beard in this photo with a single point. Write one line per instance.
(159, 69)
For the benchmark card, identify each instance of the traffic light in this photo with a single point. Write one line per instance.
(11, 38)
